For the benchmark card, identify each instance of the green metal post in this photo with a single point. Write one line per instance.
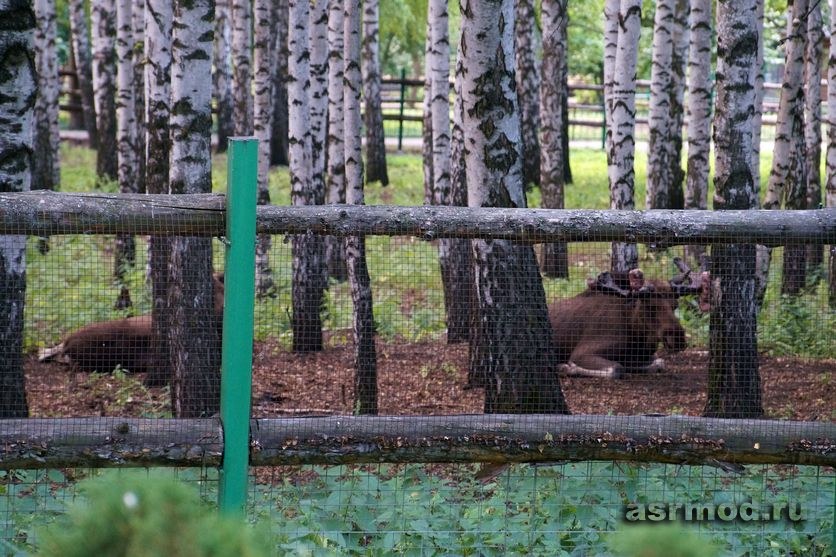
(400, 111)
(239, 296)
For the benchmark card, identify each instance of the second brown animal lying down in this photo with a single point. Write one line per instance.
(126, 342)
(617, 324)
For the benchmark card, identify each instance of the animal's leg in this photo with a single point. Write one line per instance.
(588, 365)
(658, 366)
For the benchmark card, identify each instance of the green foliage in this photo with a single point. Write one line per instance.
(146, 515)
(660, 541)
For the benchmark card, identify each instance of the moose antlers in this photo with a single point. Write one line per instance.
(607, 284)
(632, 284)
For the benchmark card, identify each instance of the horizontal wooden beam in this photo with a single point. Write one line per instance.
(540, 438)
(45, 213)
(109, 442)
(131, 442)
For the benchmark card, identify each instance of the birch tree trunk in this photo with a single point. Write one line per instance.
(660, 150)
(80, 31)
(512, 351)
(555, 259)
(46, 172)
(18, 90)
(679, 65)
(139, 90)
(126, 133)
(830, 193)
(103, 23)
(365, 356)
(699, 112)
(611, 9)
(733, 380)
(756, 142)
(222, 75)
(788, 179)
(461, 318)
(334, 246)
(812, 127)
(195, 329)
(158, 16)
(528, 88)
(376, 170)
(242, 38)
(623, 145)
(318, 119)
(427, 123)
(564, 80)
(263, 62)
(279, 134)
(308, 249)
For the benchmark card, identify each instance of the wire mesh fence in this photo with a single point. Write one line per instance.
(696, 332)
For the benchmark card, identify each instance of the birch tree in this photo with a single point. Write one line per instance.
(512, 350)
(80, 34)
(318, 119)
(18, 90)
(427, 118)
(365, 356)
(699, 112)
(622, 143)
(812, 126)
(46, 172)
(263, 61)
(222, 76)
(733, 382)
(611, 10)
(759, 91)
(195, 338)
(158, 16)
(788, 179)
(830, 201)
(242, 38)
(308, 249)
(138, 83)
(376, 170)
(555, 260)
(103, 23)
(335, 187)
(679, 64)
(528, 88)
(660, 149)
(279, 134)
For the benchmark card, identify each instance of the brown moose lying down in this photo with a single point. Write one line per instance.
(126, 342)
(616, 325)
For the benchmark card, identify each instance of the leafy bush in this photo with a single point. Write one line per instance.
(141, 515)
(660, 541)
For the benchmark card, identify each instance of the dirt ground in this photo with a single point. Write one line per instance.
(430, 378)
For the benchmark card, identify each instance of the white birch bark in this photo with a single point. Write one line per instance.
(195, 338)
(679, 67)
(139, 90)
(46, 172)
(611, 9)
(263, 60)
(365, 356)
(222, 73)
(830, 189)
(622, 147)
(528, 87)
(812, 125)
(103, 24)
(157, 68)
(319, 94)
(734, 383)
(554, 258)
(660, 150)
(80, 31)
(787, 181)
(512, 352)
(334, 248)
(376, 170)
(242, 38)
(18, 89)
(699, 112)
(427, 123)
(759, 91)
(308, 249)
(126, 135)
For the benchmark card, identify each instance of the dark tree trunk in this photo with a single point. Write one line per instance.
(733, 379)
(18, 90)
(376, 170)
(103, 16)
(222, 76)
(79, 29)
(528, 88)
(279, 122)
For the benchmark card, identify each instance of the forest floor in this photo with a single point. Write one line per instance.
(430, 378)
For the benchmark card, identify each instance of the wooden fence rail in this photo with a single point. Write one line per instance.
(45, 213)
(39, 443)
